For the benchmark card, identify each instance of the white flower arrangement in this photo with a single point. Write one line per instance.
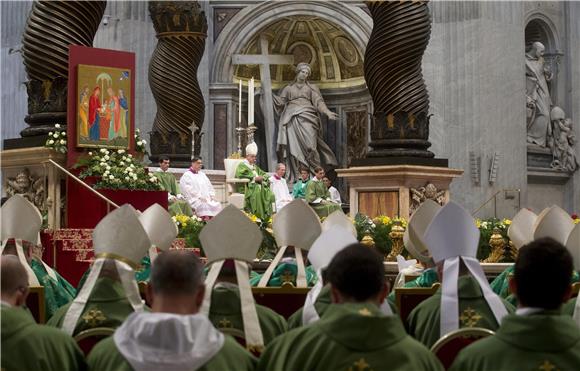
(140, 143)
(57, 140)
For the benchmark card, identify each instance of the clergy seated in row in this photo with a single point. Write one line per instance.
(177, 203)
(176, 291)
(295, 228)
(353, 333)
(465, 298)
(537, 336)
(231, 242)
(21, 224)
(299, 188)
(280, 187)
(417, 226)
(258, 195)
(110, 292)
(334, 194)
(526, 226)
(198, 191)
(25, 344)
(318, 196)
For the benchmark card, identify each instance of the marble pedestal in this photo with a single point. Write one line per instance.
(43, 186)
(386, 190)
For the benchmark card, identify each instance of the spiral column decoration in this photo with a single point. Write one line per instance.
(51, 27)
(392, 69)
(181, 28)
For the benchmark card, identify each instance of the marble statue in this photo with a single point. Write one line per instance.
(538, 101)
(562, 141)
(299, 141)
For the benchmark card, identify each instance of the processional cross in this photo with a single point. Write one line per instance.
(264, 60)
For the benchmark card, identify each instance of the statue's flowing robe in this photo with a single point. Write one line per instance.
(539, 127)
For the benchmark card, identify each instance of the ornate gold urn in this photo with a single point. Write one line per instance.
(396, 235)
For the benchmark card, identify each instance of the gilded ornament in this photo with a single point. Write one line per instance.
(396, 235)
(497, 244)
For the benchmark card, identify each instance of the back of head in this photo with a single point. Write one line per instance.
(13, 277)
(176, 273)
(543, 273)
(357, 272)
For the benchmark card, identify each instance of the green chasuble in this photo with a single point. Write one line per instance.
(500, 285)
(107, 307)
(349, 337)
(541, 341)
(321, 304)
(426, 279)
(286, 272)
(106, 356)
(424, 321)
(226, 312)
(258, 197)
(142, 275)
(28, 346)
(299, 189)
(56, 293)
(568, 307)
(315, 190)
(169, 184)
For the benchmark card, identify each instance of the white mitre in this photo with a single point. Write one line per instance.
(521, 231)
(555, 223)
(119, 236)
(159, 227)
(22, 221)
(452, 237)
(252, 149)
(232, 235)
(295, 225)
(573, 245)
(338, 218)
(327, 245)
(416, 227)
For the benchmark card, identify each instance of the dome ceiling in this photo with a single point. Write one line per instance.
(334, 58)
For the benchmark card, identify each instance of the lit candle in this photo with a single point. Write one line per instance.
(251, 102)
(240, 104)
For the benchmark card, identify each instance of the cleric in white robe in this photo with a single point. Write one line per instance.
(279, 186)
(198, 191)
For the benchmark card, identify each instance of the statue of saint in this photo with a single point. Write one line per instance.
(563, 141)
(299, 142)
(538, 101)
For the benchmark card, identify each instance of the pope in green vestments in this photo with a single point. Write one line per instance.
(424, 320)
(349, 336)
(107, 306)
(226, 312)
(56, 293)
(29, 346)
(545, 340)
(318, 196)
(426, 279)
(258, 196)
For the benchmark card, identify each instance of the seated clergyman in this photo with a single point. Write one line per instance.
(176, 292)
(318, 196)
(26, 345)
(353, 333)
(537, 336)
(198, 191)
(177, 203)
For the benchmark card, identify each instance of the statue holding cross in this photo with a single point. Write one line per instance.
(298, 141)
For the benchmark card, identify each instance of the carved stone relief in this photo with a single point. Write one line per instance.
(421, 194)
(29, 186)
(356, 126)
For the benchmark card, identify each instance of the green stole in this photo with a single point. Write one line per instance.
(56, 293)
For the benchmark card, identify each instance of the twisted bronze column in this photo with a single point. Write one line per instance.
(393, 75)
(181, 29)
(51, 27)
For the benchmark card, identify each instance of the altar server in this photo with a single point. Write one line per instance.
(110, 292)
(26, 345)
(353, 334)
(198, 191)
(465, 298)
(175, 336)
(21, 224)
(537, 336)
(231, 242)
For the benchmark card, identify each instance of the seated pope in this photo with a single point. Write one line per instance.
(198, 191)
(258, 195)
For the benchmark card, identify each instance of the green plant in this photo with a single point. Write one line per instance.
(189, 228)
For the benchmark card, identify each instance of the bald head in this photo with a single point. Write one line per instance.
(14, 284)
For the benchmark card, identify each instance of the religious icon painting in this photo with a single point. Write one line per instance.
(103, 113)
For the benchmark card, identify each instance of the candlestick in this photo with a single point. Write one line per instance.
(240, 104)
(251, 102)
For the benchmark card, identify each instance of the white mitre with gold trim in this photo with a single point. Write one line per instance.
(416, 227)
(555, 223)
(521, 231)
(338, 218)
(159, 227)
